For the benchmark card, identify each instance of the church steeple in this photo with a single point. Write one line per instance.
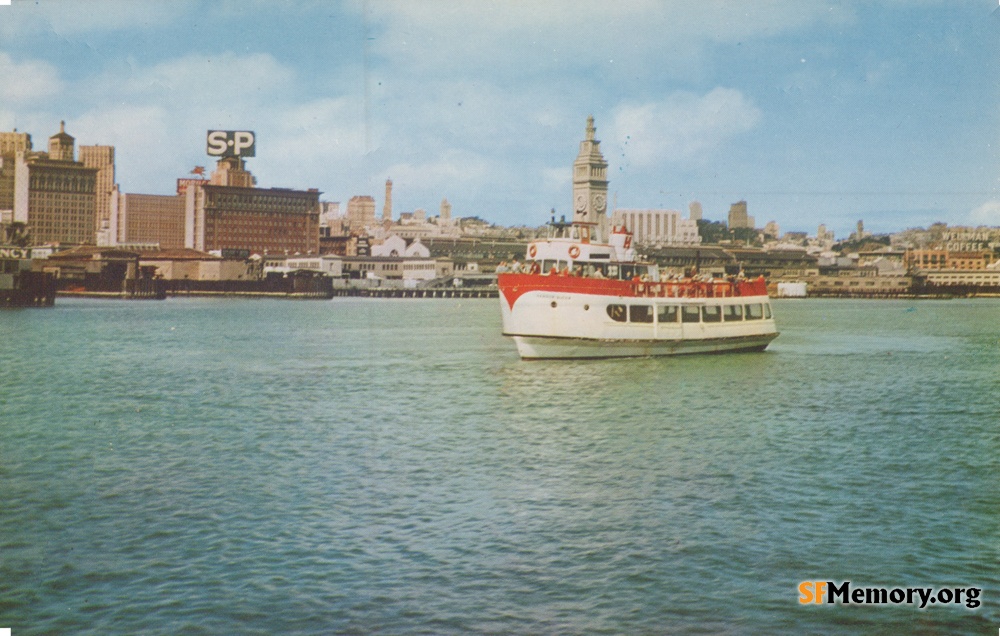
(590, 182)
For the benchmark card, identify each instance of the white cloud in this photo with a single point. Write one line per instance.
(986, 214)
(207, 81)
(684, 127)
(65, 18)
(521, 38)
(29, 81)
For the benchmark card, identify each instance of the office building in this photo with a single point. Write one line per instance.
(54, 194)
(228, 214)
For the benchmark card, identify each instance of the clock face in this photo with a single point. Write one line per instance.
(600, 202)
(581, 202)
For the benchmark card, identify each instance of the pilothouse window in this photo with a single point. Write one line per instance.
(668, 313)
(640, 313)
(690, 313)
(733, 312)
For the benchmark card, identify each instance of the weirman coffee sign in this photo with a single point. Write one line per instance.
(231, 143)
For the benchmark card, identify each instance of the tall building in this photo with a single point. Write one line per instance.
(231, 171)
(694, 210)
(590, 182)
(444, 219)
(387, 206)
(738, 217)
(54, 194)
(103, 159)
(149, 218)
(11, 143)
(658, 227)
(361, 213)
(219, 215)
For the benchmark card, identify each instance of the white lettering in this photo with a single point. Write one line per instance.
(243, 140)
(217, 142)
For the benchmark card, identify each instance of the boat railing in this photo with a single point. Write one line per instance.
(673, 288)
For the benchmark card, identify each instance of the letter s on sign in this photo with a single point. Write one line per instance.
(217, 142)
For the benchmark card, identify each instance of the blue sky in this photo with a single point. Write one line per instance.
(813, 112)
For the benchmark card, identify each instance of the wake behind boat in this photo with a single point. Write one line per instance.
(578, 297)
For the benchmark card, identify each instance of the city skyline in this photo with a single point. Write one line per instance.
(811, 112)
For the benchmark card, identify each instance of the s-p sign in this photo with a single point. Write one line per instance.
(231, 143)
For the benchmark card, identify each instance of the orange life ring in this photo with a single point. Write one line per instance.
(532, 251)
(574, 251)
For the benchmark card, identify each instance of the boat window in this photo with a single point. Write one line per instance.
(767, 310)
(612, 271)
(617, 312)
(754, 311)
(547, 265)
(732, 312)
(690, 313)
(640, 313)
(711, 313)
(668, 313)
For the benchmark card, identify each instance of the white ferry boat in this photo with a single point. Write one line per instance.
(574, 298)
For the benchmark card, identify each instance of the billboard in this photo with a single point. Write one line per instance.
(231, 143)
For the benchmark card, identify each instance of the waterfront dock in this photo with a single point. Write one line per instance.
(434, 292)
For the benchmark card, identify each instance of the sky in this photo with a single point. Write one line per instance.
(812, 112)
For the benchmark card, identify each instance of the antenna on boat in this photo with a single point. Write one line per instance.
(553, 215)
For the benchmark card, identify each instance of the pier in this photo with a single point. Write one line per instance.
(433, 292)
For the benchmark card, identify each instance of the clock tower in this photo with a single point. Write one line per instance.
(590, 183)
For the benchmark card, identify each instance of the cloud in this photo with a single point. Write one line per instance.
(525, 38)
(207, 81)
(72, 18)
(684, 127)
(986, 214)
(28, 81)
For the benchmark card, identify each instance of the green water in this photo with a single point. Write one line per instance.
(382, 466)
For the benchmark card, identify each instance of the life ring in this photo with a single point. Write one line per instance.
(574, 251)
(532, 251)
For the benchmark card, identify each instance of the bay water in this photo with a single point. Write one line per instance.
(220, 466)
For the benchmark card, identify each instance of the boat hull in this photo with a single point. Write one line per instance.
(557, 317)
(542, 348)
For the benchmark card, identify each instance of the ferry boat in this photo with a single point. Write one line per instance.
(576, 298)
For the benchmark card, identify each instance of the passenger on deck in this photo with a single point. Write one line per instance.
(515, 267)
(598, 273)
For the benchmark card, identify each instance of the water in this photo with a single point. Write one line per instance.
(376, 466)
